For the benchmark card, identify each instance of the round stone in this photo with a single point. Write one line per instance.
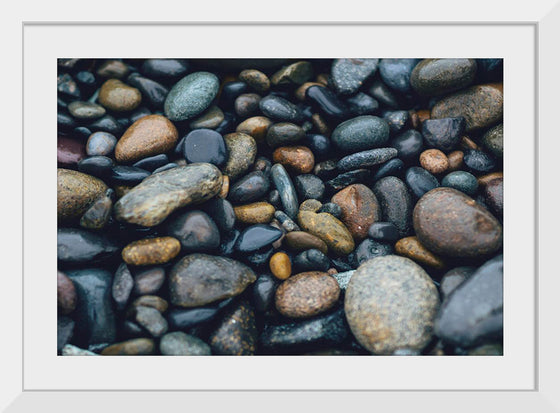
(191, 96)
(309, 186)
(178, 343)
(256, 237)
(205, 145)
(247, 105)
(85, 110)
(242, 150)
(367, 250)
(301, 241)
(409, 144)
(100, 144)
(311, 260)
(361, 133)
(307, 294)
(200, 279)
(76, 192)
(461, 181)
(478, 161)
(296, 159)
(493, 140)
(148, 281)
(359, 208)
(195, 230)
(118, 96)
(148, 136)
(438, 76)
(450, 223)
(455, 159)
(420, 180)
(391, 304)
(151, 251)
(434, 161)
(444, 134)
(396, 73)
(280, 265)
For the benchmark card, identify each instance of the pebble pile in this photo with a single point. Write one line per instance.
(280, 207)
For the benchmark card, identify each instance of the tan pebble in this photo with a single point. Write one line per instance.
(359, 208)
(151, 251)
(310, 205)
(134, 347)
(255, 213)
(321, 125)
(332, 271)
(153, 301)
(323, 79)
(411, 247)
(486, 179)
(329, 229)
(118, 96)
(434, 161)
(280, 265)
(257, 127)
(225, 187)
(455, 160)
(256, 79)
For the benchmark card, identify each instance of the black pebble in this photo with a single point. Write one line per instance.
(478, 161)
(420, 181)
(205, 145)
(128, 175)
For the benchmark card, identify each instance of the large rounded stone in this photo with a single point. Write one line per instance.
(178, 343)
(76, 192)
(191, 96)
(450, 223)
(148, 136)
(307, 294)
(200, 279)
(150, 202)
(359, 208)
(391, 304)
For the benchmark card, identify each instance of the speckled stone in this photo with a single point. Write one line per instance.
(473, 313)
(461, 181)
(434, 161)
(420, 181)
(493, 140)
(200, 279)
(113, 68)
(366, 159)
(296, 73)
(296, 159)
(361, 133)
(280, 265)
(133, 347)
(151, 251)
(391, 304)
(242, 150)
(450, 223)
(396, 73)
(148, 281)
(286, 189)
(178, 343)
(150, 202)
(191, 96)
(152, 320)
(255, 213)
(85, 110)
(76, 192)
(359, 208)
(309, 186)
(307, 294)
(98, 214)
(118, 96)
(478, 161)
(412, 248)
(148, 136)
(333, 232)
(280, 109)
(438, 76)
(78, 246)
(453, 278)
(236, 333)
(396, 203)
(100, 143)
(348, 75)
(481, 106)
(256, 79)
(257, 127)
(122, 286)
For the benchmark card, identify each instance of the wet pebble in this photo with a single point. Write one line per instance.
(191, 96)
(242, 150)
(361, 133)
(478, 162)
(178, 343)
(443, 134)
(118, 96)
(420, 181)
(280, 109)
(85, 110)
(151, 251)
(348, 75)
(367, 250)
(366, 159)
(462, 181)
(396, 203)
(205, 145)
(236, 333)
(311, 260)
(195, 230)
(383, 231)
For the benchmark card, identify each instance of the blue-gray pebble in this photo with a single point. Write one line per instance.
(461, 181)
(366, 159)
(361, 133)
(191, 96)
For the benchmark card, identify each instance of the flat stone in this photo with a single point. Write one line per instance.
(391, 304)
(255, 213)
(191, 96)
(113, 68)
(200, 279)
(280, 109)
(450, 223)
(195, 230)
(412, 248)
(256, 237)
(384, 231)
(366, 159)
(301, 241)
(148, 136)
(165, 68)
(151, 251)
(85, 110)
(396, 203)
(152, 320)
(252, 187)
(76, 192)
(178, 343)
(333, 232)
(152, 301)
(78, 246)
(122, 286)
(150, 202)
(133, 347)
(286, 189)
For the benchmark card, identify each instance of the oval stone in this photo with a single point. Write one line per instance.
(85, 110)
(191, 96)
(396, 203)
(329, 229)
(391, 304)
(133, 347)
(148, 136)
(76, 192)
(255, 213)
(361, 133)
(481, 106)
(307, 294)
(359, 208)
(200, 279)
(411, 248)
(178, 343)
(450, 223)
(205, 145)
(195, 230)
(348, 75)
(242, 150)
(78, 246)
(301, 241)
(151, 251)
(438, 76)
(118, 96)
(296, 159)
(150, 202)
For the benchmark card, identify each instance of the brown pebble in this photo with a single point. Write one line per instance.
(323, 79)
(455, 160)
(148, 136)
(333, 232)
(280, 265)
(151, 251)
(422, 115)
(65, 293)
(296, 159)
(121, 190)
(113, 68)
(307, 294)
(310, 205)
(118, 96)
(149, 281)
(255, 79)
(359, 208)
(321, 125)
(486, 179)
(153, 301)
(301, 241)
(75, 194)
(236, 334)
(494, 196)
(255, 213)
(300, 91)
(257, 127)
(412, 248)
(434, 161)
(225, 187)
(332, 271)
(467, 143)
(69, 151)
(134, 347)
